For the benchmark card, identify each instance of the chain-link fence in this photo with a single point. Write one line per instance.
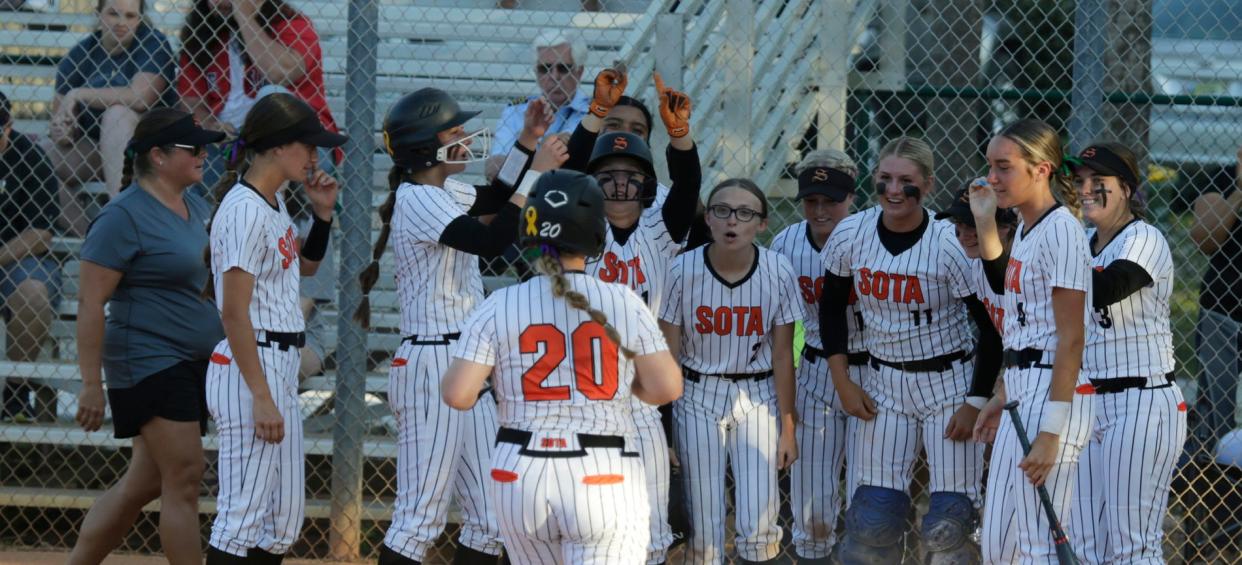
(770, 81)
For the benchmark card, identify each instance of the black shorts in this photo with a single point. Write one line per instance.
(176, 393)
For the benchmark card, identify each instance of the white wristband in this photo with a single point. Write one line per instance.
(1056, 415)
(528, 183)
(513, 165)
(978, 402)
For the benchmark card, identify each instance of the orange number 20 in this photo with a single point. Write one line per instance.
(594, 382)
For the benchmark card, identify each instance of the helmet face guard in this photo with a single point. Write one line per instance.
(640, 190)
(484, 139)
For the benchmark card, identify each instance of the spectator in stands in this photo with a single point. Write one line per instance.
(559, 61)
(29, 276)
(234, 52)
(143, 256)
(1218, 234)
(103, 85)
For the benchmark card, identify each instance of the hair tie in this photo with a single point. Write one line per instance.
(1066, 162)
(235, 149)
(130, 153)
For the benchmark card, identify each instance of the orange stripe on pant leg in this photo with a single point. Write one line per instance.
(503, 476)
(399, 362)
(220, 359)
(603, 479)
(1086, 388)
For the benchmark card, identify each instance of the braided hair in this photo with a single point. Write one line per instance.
(548, 264)
(370, 275)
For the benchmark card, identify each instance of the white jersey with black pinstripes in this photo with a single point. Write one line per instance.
(641, 262)
(1051, 253)
(991, 301)
(258, 237)
(555, 369)
(911, 302)
(728, 326)
(1132, 338)
(795, 243)
(438, 286)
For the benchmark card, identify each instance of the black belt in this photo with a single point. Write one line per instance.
(283, 340)
(695, 376)
(1110, 386)
(812, 353)
(1025, 358)
(585, 441)
(930, 365)
(434, 339)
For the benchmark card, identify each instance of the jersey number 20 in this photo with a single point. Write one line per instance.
(596, 382)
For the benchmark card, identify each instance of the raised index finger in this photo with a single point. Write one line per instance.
(659, 83)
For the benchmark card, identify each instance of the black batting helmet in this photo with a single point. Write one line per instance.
(565, 209)
(412, 123)
(625, 144)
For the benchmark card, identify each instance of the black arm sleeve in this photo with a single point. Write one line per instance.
(581, 144)
(832, 311)
(1118, 280)
(683, 196)
(700, 234)
(994, 270)
(989, 352)
(485, 240)
(490, 198)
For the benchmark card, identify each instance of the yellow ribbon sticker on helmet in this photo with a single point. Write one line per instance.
(531, 216)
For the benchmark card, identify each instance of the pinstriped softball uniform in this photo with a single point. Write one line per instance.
(259, 238)
(641, 263)
(442, 453)
(262, 494)
(1124, 473)
(912, 309)
(727, 328)
(990, 299)
(911, 303)
(822, 429)
(493, 336)
(1053, 253)
(557, 374)
(1132, 338)
(438, 285)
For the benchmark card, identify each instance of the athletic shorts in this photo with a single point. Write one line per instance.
(176, 393)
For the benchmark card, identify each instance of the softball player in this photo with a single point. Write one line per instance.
(647, 227)
(1140, 415)
(564, 352)
(252, 380)
(826, 190)
(436, 237)
(728, 315)
(927, 377)
(1046, 283)
(968, 237)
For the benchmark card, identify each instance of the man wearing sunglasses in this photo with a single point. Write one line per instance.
(29, 278)
(559, 60)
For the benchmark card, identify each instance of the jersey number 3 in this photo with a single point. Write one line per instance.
(594, 381)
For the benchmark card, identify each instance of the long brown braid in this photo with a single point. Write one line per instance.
(549, 265)
(368, 277)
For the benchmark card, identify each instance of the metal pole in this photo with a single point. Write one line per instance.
(833, 68)
(737, 56)
(1087, 95)
(344, 536)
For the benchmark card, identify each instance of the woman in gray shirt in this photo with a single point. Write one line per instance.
(143, 256)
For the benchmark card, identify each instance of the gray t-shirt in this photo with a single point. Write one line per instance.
(157, 316)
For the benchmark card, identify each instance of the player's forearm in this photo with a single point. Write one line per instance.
(839, 370)
(90, 342)
(672, 336)
(990, 246)
(137, 97)
(28, 243)
(240, 334)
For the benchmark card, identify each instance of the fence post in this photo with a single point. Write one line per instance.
(348, 431)
(669, 52)
(737, 55)
(1087, 95)
(833, 65)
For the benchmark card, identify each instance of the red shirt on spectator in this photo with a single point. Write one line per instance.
(212, 84)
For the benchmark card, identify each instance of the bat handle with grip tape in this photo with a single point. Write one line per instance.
(1065, 553)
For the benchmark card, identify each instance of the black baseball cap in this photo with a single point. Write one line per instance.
(960, 212)
(184, 131)
(836, 184)
(309, 131)
(1103, 161)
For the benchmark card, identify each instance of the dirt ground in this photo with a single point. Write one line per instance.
(58, 558)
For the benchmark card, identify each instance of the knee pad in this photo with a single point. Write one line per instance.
(950, 520)
(389, 557)
(874, 525)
